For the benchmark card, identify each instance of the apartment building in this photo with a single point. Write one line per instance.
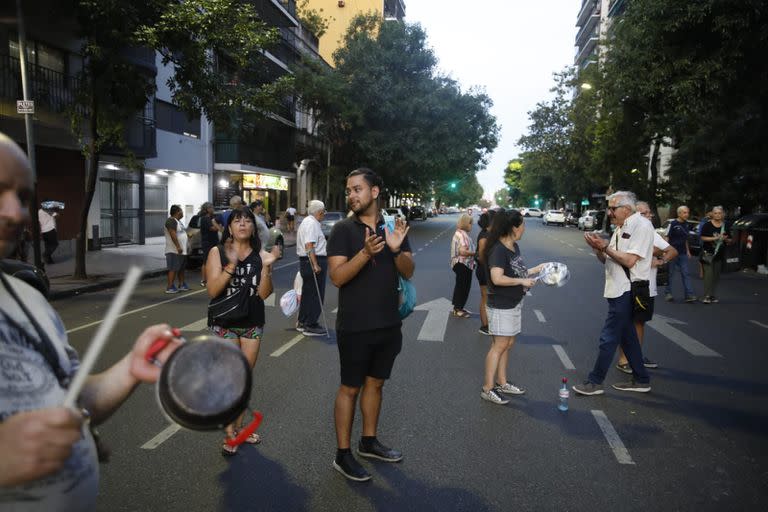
(339, 13)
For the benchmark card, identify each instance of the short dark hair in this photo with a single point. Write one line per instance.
(175, 209)
(373, 179)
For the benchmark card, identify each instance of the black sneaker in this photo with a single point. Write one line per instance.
(350, 468)
(588, 388)
(624, 368)
(376, 450)
(650, 364)
(484, 330)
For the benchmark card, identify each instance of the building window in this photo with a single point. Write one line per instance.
(171, 119)
(39, 54)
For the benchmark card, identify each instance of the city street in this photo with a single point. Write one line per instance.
(696, 442)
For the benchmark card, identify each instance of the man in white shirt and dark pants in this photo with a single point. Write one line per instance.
(627, 258)
(313, 266)
(48, 231)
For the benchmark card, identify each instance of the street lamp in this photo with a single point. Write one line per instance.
(586, 86)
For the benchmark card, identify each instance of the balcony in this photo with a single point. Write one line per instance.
(268, 145)
(589, 30)
(584, 53)
(276, 13)
(587, 9)
(394, 9)
(51, 91)
(616, 7)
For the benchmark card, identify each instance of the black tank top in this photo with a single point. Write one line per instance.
(248, 270)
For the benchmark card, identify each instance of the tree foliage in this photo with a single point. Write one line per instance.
(385, 106)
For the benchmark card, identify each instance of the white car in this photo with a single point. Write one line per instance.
(587, 220)
(554, 217)
(395, 212)
(532, 212)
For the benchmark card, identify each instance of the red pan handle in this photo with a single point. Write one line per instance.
(159, 344)
(246, 431)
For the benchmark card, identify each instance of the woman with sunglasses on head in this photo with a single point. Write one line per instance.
(508, 280)
(239, 261)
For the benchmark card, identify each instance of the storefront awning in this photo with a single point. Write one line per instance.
(252, 169)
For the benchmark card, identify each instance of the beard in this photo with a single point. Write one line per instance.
(360, 207)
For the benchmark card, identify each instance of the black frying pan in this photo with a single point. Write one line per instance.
(205, 384)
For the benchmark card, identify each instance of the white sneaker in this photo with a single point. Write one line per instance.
(493, 397)
(509, 389)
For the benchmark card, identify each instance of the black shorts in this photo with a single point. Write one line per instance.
(289, 218)
(368, 354)
(644, 316)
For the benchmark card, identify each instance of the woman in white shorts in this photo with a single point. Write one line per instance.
(507, 283)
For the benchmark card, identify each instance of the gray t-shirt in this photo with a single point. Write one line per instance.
(27, 383)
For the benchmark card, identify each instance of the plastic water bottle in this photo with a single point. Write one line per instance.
(563, 394)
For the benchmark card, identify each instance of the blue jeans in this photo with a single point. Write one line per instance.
(681, 263)
(619, 329)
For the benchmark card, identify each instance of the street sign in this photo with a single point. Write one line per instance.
(25, 107)
(585, 202)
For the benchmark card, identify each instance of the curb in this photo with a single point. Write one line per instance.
(95, 287)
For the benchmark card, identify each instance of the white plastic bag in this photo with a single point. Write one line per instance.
(291, 299)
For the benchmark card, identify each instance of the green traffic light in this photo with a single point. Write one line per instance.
(453, 185)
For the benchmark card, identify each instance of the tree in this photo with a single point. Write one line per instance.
(696, 72)
(386, 107)
(193, 36)
(313, 19)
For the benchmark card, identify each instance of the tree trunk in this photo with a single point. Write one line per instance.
(91, 172)
(653, 181)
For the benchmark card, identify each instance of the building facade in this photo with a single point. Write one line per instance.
(340, 13)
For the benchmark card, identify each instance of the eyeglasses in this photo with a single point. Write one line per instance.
(614, 208)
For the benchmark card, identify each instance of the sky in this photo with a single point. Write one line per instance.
(509, 47)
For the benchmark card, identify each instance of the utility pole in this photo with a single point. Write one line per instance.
(28, 119)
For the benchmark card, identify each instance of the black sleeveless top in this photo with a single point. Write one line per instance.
(247, 272)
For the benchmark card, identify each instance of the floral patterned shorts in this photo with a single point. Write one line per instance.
(233, 333)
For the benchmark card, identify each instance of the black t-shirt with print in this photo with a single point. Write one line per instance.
(370, 299)
(710, 230)
(247, 273)
(505, 297)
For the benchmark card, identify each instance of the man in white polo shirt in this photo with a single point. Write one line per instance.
(313, 265)
(627, 258)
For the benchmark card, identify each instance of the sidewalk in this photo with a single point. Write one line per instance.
(106, 268)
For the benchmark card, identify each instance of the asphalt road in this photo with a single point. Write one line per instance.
(696, 442)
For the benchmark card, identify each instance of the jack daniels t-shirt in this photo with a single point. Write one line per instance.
(505, 297)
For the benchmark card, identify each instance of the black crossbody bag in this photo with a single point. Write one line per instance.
(639, 290)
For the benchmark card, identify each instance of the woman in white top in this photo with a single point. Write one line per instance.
(462, 264)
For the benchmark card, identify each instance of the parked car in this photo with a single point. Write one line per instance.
(417, 212)
(30, 274)
(195, 249)
(587, 221)
(694, 240)
(395, 212)
(554, 217)
(571, 218)
(532, 212)
(330, 220)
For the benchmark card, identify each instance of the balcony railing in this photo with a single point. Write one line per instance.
(588, 31)
(51, 91)
(587, 8)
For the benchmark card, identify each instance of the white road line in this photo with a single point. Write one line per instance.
(567, 363)
(284, 348)
(199, 325)
(614, 441)
(580, 249)
(540, 316)
(570, 245)
(661, 324)
(187, 294)
(161, 437)
(760, 324)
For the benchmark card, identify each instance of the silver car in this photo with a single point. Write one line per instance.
(330, 220)
(588, 220)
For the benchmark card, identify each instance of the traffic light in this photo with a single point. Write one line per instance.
(453, 184)
(536, 203)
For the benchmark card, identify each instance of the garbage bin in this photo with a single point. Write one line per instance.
(751, 233)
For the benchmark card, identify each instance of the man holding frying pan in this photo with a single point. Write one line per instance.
(48, 457)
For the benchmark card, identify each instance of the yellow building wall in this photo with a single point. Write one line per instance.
(339, 19)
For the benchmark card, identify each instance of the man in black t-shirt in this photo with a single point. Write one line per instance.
(364, 262)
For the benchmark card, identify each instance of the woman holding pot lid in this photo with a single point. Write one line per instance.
(508, 279)
(238, 267)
